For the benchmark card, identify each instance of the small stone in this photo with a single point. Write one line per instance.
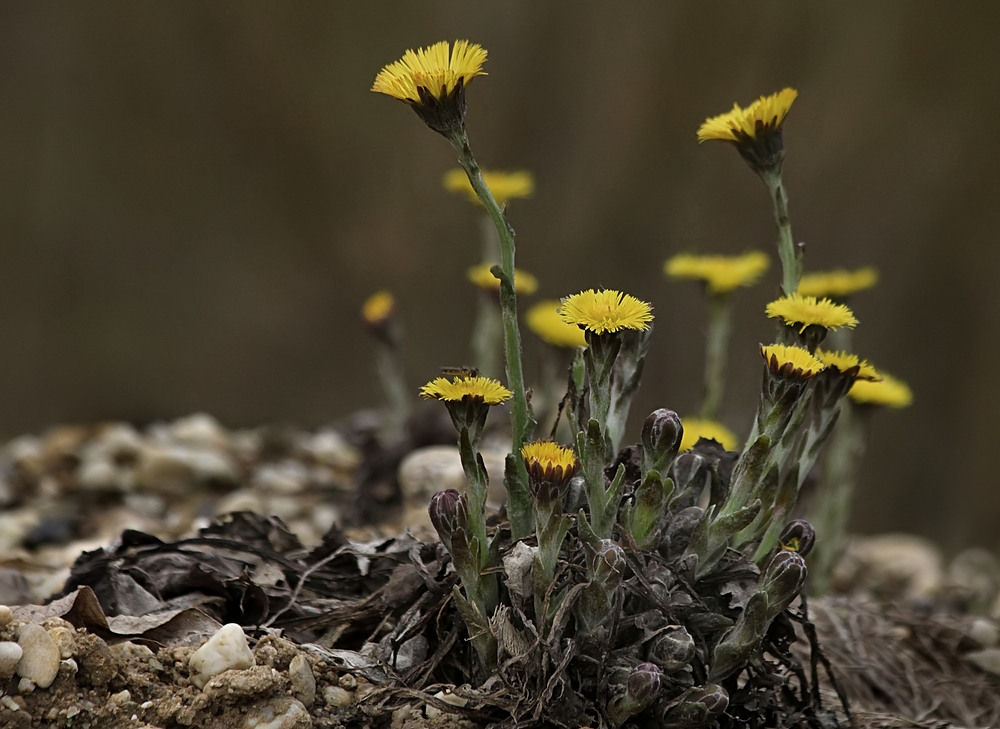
(347, 681)
(302, 681)
(246, 684)
(227, 649)
(985, 632)
(433, 712)
(279, 713)
(40, 662)
(336, 696)
(6, 615)
(65, 640)
(285, 477)
(97, 665)
(10, 654)
(987, 659)
(198, 429)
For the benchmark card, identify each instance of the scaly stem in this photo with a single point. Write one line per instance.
(716, 346)
(519, 505)
(397, 396)
(791, 259)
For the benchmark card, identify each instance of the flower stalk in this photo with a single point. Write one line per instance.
(519, 501)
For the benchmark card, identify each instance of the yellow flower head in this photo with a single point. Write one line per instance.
(545, 321)
(844, 361)
(762, 117)
(888, 392)
(504, 185)
(606, 311)
(721, 274)
(458, 389)
(548, 461)
(755, 130)
(378, 308)
(837, 284)
(697, 428)
(791, 362)
(432, 81)
(804, 311)
(483, 278)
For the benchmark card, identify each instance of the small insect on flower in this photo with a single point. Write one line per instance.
(460, 371)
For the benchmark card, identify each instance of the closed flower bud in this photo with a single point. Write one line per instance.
(641, 688)
(797, 536)
(672, 649)
(661, 439)
(644, 683)
(449, 513)
(696, 708)
(609, 564)
(783, 580)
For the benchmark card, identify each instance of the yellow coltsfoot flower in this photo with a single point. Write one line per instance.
(698, 428)
(606, 311)
(804, 311)
(458, 389)
(378, 309)
(547, 323)
(838, 283)
(432, 82)
(791, 362)
(548, 461)
(844, 361)
(721, 274)
(504, 185)
(483, 278)
(755, 129)
(886, 391)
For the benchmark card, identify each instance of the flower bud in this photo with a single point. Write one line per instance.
(782, 581)
(672, 649)
(697, 707)
(691, 473)
(641, 688)
(797, 536)
(609, 565)
(661, 439)
(449, 514)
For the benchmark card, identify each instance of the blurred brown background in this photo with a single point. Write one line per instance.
(197, 197)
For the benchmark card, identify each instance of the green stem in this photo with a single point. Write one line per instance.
(397, 396)
(791, 259)
(716, 346)
(519, 508)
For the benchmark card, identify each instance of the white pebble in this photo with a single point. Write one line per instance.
(279, 713)
(225, 650)
(336, 696)
(301, 680)
(40, 662)
(10, 654)
(6, 615)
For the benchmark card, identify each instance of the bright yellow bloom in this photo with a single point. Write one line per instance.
(838, 283)
(482, 277)
(432, 69)
(432, 82)
(696, 428)
(844, 361)
(789, 361)
(721, 274)
(606, 311)
(545, 321)
(741, 124)
(378, 307)
(504, 185)
(888, 392)
(483, 389)
(804, 311)
(548, 461)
